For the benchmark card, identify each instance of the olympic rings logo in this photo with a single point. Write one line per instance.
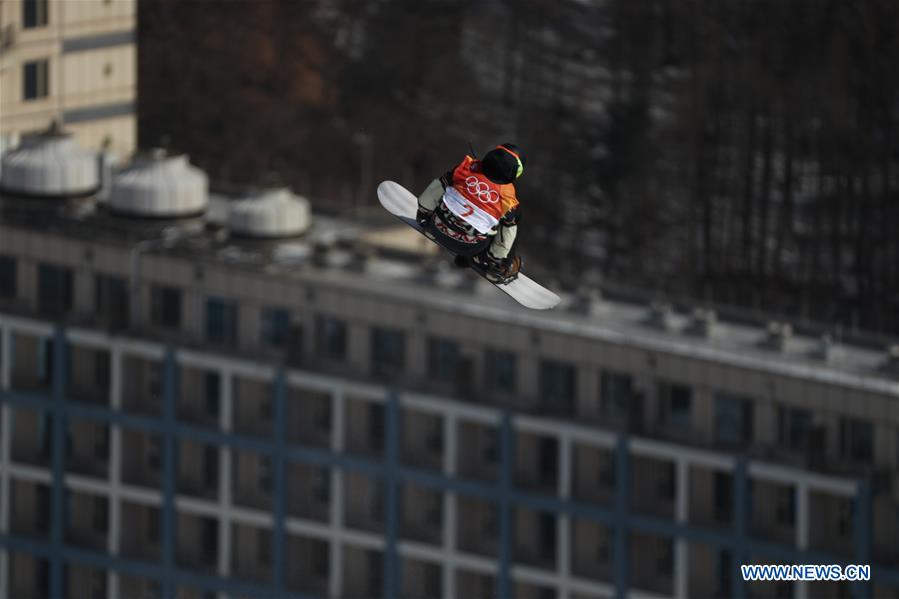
(481, 190)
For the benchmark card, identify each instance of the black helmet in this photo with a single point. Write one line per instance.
(504, 163)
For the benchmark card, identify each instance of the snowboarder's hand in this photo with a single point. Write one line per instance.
(424, 217)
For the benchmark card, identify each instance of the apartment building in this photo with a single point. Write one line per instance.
(193, 408)
(70, 62)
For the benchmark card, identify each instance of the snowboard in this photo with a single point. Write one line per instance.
(401, 203)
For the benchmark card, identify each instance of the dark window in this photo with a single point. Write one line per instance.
(548, 457)
(101, 514)
(263, 546)
(43, 507)
(221, 321)
(675, 403)
(376, 500)
(723, 574)
(490, 447)
(724, 495)
(733, 419)
(786, 506)
(210, 466)
(793, 427)
(275, 327)
(616, 390)
(547, 535)
(321, 485)
(501, 372)
(99, 584)
(153, 525)
(101, 368)
(856, 440)
(376, 427)
(388, 352)
(212, 392)
(375, 574)
(153, 454)
(165, 307)
(54, 290)
(320, 561)
(210, 539)
(330, 337)
(265, 474)
(111, 300)
(42, 577)
(665, 484)
(34, 13)
(101, 442)
(557, 386)
(443, 359)
(35, 80)
(45, 435)
(7, 277)
(665, 558)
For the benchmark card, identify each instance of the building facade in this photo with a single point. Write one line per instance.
(70, 62)
(183, 412)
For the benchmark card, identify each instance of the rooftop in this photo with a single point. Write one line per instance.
(376, 255)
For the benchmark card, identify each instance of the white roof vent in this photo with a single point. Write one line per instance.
(703, 323)
(160, 186)
(49, 165)
(273, 213)
(777, 336)
(660, 316)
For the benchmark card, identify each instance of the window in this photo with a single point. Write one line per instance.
(221, 321)
(165, 307)
(210, 466)
(210, 539)
(34, 13)
(101, 514)
(101, 368)
(388, 352)
(7, 277)
(376, 492)
(786, 506)
(723, 574)
(34, 77)
(856, 440)
(557, 386)
(443, 359)
(330, 338)
(724, 495)
(153, 454)
(265, 474)
(675, 404)
(54, 290)
(376, 427)
(501, 372)
(111, 299)
(548, 451)
(275, 327)
(546, 535)
(263, 546)
(793, 427)
(665, 557)
(153, 525)
(212, 393)
(616, 390)
(101, 441)
(490, 447)
(321, 485)
(733, 419)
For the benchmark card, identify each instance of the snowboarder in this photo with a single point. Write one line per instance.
(474, 211)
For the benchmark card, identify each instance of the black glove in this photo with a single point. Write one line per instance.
(423, 217)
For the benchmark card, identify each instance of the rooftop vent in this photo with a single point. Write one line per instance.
(271, 214)
(587, 300)
(50, 165)
(703, 323)
(159, 186)
(777, 336)
(660, 316)
(825, 349)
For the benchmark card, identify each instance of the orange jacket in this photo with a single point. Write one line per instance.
(477, 200)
